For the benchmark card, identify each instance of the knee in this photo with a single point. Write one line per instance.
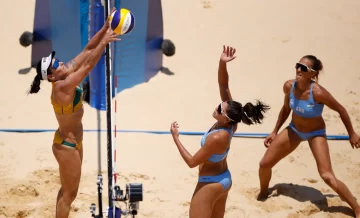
(69, 196)
(328, 178)
(264, 164)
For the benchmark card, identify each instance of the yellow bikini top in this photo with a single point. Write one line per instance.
(72, 107)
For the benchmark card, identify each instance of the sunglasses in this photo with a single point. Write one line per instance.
(220, 110)
(56, 64)
(303, 67)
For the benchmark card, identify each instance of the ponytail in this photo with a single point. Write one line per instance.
(35, 86)
(253, 114)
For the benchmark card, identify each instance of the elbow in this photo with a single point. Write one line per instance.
(341, 111)
(191, 164)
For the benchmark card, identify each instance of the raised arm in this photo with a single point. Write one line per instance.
(80, 59)
(223, 77)
(77, 77)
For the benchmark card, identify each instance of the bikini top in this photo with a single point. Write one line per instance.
(305, 108)
(215, 158)
(75, 105)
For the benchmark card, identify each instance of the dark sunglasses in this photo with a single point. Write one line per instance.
(303, 67)
(56, 64)
(220, 110)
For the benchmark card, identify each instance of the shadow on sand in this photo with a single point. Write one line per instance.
(304, 193)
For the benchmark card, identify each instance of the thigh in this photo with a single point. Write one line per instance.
(204, 199)
(69, 160)
(320, 150)
(220, 205)
(284, 143)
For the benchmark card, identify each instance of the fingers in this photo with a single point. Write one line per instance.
(355, 145)
(174, 125)
(267, 141)
(230, 51)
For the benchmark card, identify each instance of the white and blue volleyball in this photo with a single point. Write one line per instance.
(122, 21)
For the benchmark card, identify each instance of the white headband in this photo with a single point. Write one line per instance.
(45, 63)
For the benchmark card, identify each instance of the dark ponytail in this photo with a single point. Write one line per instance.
(35, 86)
(249, 114)
(253, 114)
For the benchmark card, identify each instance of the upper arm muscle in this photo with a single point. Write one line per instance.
(322, 96)
(75, 78)
(286, 90)
(225, 93)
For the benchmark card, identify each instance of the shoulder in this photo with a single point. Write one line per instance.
(319, 92)
(287, 86)
(220, 137)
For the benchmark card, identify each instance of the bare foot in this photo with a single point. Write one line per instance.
(263, 195)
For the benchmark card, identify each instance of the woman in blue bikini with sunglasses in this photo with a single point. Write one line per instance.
(306, 98)
(66, 98)
(214, 183)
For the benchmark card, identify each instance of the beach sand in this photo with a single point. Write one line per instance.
(270, 36)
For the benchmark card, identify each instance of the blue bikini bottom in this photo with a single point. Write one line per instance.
(224, 179)
(307, 135)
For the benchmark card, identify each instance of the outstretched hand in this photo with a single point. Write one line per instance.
(110, 36)
(174, 129)
(355, 141)
(107, 22)
(227, 54)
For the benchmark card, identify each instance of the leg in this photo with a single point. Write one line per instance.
(220, 205)
(69, 160)
(60, 190)
(320, 149)
(204, 199)
(284, 143)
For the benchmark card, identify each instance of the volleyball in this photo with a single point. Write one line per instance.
(122, 21)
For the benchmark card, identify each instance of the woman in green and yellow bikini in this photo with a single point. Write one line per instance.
(66, 98)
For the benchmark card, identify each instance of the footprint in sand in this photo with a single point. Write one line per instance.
(24, 213)
(207, 3)
(270, 205)
(186, 204)
(133, 176)
(48, 176)
(235, 208)
(291, 158)
(23, 191)
(310, 180)
(139, 176)
(158, 200)
(7, 212)
(305, 212)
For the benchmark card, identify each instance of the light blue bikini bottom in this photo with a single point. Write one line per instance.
(224, 179)
(307, 135)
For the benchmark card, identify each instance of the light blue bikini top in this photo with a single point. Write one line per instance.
(215, 158)
(305, 108)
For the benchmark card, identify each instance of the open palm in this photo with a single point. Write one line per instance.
(228, 54)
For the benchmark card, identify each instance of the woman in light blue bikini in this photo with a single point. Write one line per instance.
(214, 181)
(306, 98)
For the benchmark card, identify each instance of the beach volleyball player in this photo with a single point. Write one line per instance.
(214, 180)
(306, 98)
(66, 98)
